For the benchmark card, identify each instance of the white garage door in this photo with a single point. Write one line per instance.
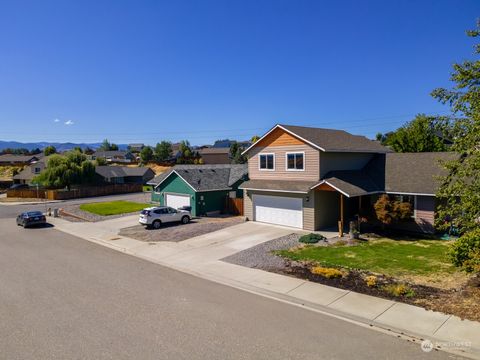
(279, 210)
(177, 201)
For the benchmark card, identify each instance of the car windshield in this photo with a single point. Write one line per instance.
(34, 213)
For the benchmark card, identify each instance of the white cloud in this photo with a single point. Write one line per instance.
(69, 122)
(56, 120)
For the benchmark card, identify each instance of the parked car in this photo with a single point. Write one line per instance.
(156, 216)
(18, 186)
(31, 218)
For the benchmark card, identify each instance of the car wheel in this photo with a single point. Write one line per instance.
(185, 220)
(156, 224)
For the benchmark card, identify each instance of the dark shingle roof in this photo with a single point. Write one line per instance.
(332, 140)
(415, 172)
(120, 171)
(352, 182)
(17, 158)
(206, 177)
(279, 185)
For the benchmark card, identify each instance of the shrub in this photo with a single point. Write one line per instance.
(465, 251)
(399, 290)
(371, 281)
(311, 238)
(328, 273)
(389, 211)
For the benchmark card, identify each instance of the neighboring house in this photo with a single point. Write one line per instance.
(29, 172)
(114, 156)
(136, 147)
(18, 160)
(312, 178)
(206, 188)
(215, 155)
(124, 174)
(227, 143)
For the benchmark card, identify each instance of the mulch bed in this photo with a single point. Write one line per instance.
(463, 302)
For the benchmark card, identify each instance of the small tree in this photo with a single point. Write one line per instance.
(100, 161)
(389, 211)
(50, 150)
(146, 154)
(465, 252)
(254, 139)
(163, 151)
(236, 154)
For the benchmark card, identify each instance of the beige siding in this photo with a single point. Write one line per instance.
(342, 161)
(247, 205)
(311, 159)
(308, 206)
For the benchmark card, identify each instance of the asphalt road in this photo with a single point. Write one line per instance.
(62, 297)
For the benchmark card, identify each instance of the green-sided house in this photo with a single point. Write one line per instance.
(205, 188)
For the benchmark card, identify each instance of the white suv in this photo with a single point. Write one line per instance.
(155, 216)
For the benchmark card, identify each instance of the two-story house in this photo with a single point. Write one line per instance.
(313, 178)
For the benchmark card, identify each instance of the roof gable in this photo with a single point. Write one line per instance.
(328, 140)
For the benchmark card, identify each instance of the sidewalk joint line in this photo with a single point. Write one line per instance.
(330, 303)
(384, 311)
(443, 323)
(296, 287)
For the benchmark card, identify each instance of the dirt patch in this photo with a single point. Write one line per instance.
(176, 232)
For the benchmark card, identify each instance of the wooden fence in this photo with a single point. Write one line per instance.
(88, 191)
(235, 206)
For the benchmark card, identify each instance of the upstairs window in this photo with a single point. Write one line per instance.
(267, 162)
(295, 161)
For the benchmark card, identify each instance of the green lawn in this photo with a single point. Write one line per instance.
(113, 207)
(389, 257)
(147, 188)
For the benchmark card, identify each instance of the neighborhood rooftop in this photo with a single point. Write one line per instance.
(206, 177)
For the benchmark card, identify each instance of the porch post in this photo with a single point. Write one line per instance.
(340, 223)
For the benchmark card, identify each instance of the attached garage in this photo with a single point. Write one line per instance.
(177, 201)
(279, 210)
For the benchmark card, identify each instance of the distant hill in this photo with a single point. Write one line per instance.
(59, 146)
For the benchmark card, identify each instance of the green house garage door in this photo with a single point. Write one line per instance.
(176, 201)
(280, 210)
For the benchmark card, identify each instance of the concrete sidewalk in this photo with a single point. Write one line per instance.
(201, 256)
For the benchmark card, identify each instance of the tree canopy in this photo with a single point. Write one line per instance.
(422, 134)
(146, 154)
(50, 150)
(163, 151)
(236, 154)
(460, 190)
(65, 171)
(107, 146)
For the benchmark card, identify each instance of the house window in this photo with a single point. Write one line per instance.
(267, 162)
(37, 170)
(295, 161)
(411, 199)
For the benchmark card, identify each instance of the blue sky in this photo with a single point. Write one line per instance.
(144, 71)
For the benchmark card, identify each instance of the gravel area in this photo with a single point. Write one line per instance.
(176, 232)
(261, 257)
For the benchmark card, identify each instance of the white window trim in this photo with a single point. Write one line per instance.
(259, 162)
(294, 152)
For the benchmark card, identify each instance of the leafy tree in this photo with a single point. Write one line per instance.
(78, 148)
(107, 146)
(187, 156)
(254, 139)
(236, 154)
(100, 161)
(35, 151)
(465, 252)
(50, 150)
(146, 154)
(163, 151)
(389, 211)
(65, 171)
(459, 193)
(422, 134)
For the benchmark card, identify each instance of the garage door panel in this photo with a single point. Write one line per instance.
(176, 201)
(278, 210)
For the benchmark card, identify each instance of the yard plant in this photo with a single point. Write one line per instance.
(311, 238)
(113, 207)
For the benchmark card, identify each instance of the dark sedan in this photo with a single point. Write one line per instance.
(31, 218)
